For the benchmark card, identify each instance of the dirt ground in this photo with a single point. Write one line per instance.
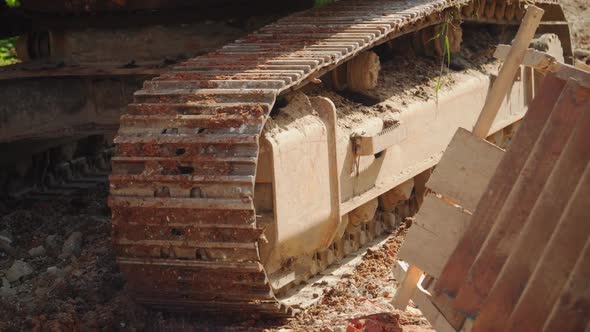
(577, 13)
(58, 269)
(73, 282)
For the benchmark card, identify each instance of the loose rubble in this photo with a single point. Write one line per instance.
(37, 251)
(72, 246)
(64, 277)
(19, 269)
(61, 273)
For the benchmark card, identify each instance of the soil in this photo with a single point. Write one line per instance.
(84, 290)
(577, 13)
(79, 291)
(363, 300)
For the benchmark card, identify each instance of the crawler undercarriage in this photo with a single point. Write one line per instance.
(240, 174)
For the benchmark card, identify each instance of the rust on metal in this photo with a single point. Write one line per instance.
(184, 223)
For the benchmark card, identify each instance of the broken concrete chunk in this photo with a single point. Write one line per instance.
(18, 270)
(37, 251)
(55, 271)
(51, 242)
(72, 246)
(5, 290)
(6, 247)
(5, 238)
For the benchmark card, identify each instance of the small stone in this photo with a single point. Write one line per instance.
(51, 242)
(72, 246)
(315, 295)
(91, 319)
(37, 251)
(41, 291)
(54, 271)
(6, 247)
(458, 63)
(18, 270)
(5, 290)
(339, 329)
(5, 238)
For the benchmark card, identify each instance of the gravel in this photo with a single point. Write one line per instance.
(19, 269)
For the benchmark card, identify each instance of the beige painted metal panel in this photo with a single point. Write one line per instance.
(428, 128)
(302, 190)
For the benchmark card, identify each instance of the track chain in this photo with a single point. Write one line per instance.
(182, 186)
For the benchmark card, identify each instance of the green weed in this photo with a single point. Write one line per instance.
(445, 62)
(320, 3)
(7, 53)
(13, 3)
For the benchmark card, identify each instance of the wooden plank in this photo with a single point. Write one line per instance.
(572, 311)
(521, 200)
(539, 228)
(532, 57)
(437, 320)
(566, 72)
(505, 78)
(500, 185)
(423, 300)
(558, 260)
(407, 288)
(435, 231)
(465, 169)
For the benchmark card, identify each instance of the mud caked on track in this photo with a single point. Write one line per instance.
(57, 261)
(59, 268)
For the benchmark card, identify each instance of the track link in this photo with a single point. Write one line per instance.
(182, 187)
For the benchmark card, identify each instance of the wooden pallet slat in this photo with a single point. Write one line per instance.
(519, 203)
(557, 262)
(572, 312)
(438, 225)
(541, 224)
(465, 169)
(499, 187)
(522, 260)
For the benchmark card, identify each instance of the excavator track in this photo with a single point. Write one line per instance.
(182, 188)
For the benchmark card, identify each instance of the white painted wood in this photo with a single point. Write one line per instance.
(465, 169)
(407, 288)
(434, 234)
(503, 82)
(423, 300)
